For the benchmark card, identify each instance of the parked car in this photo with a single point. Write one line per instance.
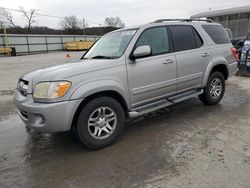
(244, 54)
(128, 73)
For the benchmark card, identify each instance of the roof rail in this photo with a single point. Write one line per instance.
(183, 20)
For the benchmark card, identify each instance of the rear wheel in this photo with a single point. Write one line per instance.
(214, 90)
(100, 122)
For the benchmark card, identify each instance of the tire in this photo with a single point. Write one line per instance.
(212, 93)
(97, 118)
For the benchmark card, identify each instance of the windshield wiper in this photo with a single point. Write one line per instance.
(101, 57)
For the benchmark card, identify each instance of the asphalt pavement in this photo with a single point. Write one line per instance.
(186, 145)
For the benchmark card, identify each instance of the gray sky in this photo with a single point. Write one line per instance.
(132, 12)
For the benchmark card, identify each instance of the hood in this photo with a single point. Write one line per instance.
(64, 71)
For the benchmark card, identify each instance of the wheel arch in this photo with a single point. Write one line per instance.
(107, 93)
(219, 66)
(222, 68)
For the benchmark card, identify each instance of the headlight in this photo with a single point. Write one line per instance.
(51, 90)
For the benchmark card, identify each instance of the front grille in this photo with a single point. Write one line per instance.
(22, 87)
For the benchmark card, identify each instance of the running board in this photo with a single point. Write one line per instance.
(164, 103)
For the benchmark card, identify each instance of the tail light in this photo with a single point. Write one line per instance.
(235, 54)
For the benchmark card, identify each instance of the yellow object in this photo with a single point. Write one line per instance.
(62, 88)
(5, 50)
(78, 45)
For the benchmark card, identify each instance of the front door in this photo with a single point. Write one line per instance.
(151, 78)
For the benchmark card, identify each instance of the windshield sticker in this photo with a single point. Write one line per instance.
(129, 32)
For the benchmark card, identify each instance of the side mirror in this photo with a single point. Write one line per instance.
(141, 51)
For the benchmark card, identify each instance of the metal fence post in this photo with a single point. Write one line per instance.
(62, 41)
(47, 47)
(28, 45)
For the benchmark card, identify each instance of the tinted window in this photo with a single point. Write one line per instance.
(217, 33)
(198, 39)
(185, 38)
(156, 38)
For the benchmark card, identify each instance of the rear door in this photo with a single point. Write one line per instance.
(191, 55)
(155, 76)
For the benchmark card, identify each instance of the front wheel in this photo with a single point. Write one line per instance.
(214, 90)
(100, 122)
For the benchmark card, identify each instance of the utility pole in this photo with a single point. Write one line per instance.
(6, 42)
(83, 25)
(100, 27)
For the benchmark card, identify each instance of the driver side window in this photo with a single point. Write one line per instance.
(156, 38)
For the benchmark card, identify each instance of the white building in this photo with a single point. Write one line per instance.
(237, 19)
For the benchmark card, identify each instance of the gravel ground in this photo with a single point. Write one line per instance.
(11, 68)
(186, 145)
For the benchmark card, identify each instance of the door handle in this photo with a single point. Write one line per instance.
(205, 55)
(168, 61)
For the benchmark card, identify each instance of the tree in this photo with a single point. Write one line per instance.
(70, 24)
(114, 22)
(6, 19)
(2, 24)
(30, 17)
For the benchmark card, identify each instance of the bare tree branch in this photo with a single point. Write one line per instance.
(29, 16)
(2, 24)
(70, 23)
(114, 22)
(6, 18)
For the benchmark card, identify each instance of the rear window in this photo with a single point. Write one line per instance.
(217, 34)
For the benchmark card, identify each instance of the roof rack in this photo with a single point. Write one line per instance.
(183, 20)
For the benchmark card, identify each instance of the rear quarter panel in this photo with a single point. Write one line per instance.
(220, 54)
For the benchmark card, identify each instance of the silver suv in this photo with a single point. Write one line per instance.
(128, 73)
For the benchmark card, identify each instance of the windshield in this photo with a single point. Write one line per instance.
(110, 46)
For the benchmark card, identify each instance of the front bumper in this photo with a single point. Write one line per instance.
(232, 68)
(46, 117)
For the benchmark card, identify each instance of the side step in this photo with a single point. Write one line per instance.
(164, 103)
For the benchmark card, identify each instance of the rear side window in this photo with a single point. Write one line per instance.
(156, 38)
(217, 34)
(185, 38)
